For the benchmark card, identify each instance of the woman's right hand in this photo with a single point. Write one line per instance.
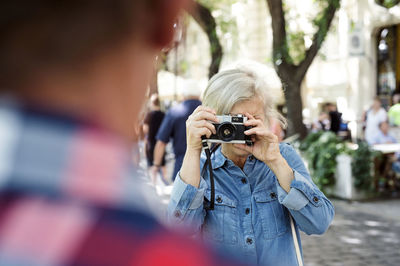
(199, 124)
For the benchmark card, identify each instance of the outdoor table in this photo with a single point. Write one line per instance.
(387, 148)
(388, 151)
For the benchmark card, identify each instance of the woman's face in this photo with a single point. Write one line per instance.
(255, 107)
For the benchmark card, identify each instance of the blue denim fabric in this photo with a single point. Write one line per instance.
(251, 215)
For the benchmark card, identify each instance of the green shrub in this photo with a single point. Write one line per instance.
(362, 166)
(320, 150)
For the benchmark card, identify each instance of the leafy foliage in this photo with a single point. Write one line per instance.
(295, 43)
(297, 48)
(320, 150)
(362, 166)
(387, 3)
(226, 21)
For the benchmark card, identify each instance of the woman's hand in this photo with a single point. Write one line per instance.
(265, 143)
(266, 148)
(197, 125)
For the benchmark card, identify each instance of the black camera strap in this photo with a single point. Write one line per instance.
(209, 204)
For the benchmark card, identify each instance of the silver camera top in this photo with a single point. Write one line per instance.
(234, 119)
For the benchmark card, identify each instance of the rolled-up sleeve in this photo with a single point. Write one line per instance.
(295, 199)
(186, 204)
(310, 208)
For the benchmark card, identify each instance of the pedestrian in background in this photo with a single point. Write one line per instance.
(322, 123)
(394, 111)
(373, 117)
(73, 76)
(174, 127)
(151, 124)
(383, 136)
(258, 188)
(334, 116)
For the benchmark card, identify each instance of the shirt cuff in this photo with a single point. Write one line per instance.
(187, 196)
(300, 194)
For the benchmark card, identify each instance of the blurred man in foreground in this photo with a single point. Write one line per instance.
(72, 76)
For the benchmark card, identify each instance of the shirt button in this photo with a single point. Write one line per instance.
(272, 195)
(315, 199)
(244, 180)
(177, 214)
(219, 199)
(247, 210)
(249, 241)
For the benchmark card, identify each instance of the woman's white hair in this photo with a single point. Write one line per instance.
(229, 87)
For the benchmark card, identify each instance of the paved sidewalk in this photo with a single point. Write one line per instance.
(361, 234)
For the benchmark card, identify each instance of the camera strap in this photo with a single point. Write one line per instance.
(295, 242)
(209, 204)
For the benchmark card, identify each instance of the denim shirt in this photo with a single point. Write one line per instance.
(251, 215)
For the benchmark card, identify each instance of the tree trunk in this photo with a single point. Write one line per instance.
(202, 15)
(292, 75)
(294, 106)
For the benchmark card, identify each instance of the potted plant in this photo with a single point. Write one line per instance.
(339, 168)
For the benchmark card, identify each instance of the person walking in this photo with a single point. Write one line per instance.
(259, 189)
(151, 124)
(374, 117)
(174, 127)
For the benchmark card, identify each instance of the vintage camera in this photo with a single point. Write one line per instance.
(230, 129)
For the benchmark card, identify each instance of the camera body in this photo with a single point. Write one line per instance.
(230, 129)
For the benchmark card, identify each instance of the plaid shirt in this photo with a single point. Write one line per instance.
(69, 196)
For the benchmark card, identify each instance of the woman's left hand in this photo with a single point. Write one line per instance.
(266, 149)
(265, 143)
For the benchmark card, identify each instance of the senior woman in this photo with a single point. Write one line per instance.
(257, 187)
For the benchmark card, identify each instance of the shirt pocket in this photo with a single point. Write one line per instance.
(221, 223)
(274, 216)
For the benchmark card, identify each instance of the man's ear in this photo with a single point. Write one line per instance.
(166, 13)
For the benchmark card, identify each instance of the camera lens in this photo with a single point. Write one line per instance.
(226, 131)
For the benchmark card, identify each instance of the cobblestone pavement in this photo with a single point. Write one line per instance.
(361, 234)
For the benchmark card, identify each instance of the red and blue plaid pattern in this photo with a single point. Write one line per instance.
(69, 196)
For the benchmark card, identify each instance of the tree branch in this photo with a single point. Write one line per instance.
(279, 44)
(206, 21)
(319, 37)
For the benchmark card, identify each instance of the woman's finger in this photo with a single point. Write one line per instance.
(204, 123)
(265, 134)
(257, 131)
(249, 116)
(204, 108)
(205, 115)
(203, 131)
(254, 122)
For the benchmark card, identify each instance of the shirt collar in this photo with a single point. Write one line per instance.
(218, 159)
